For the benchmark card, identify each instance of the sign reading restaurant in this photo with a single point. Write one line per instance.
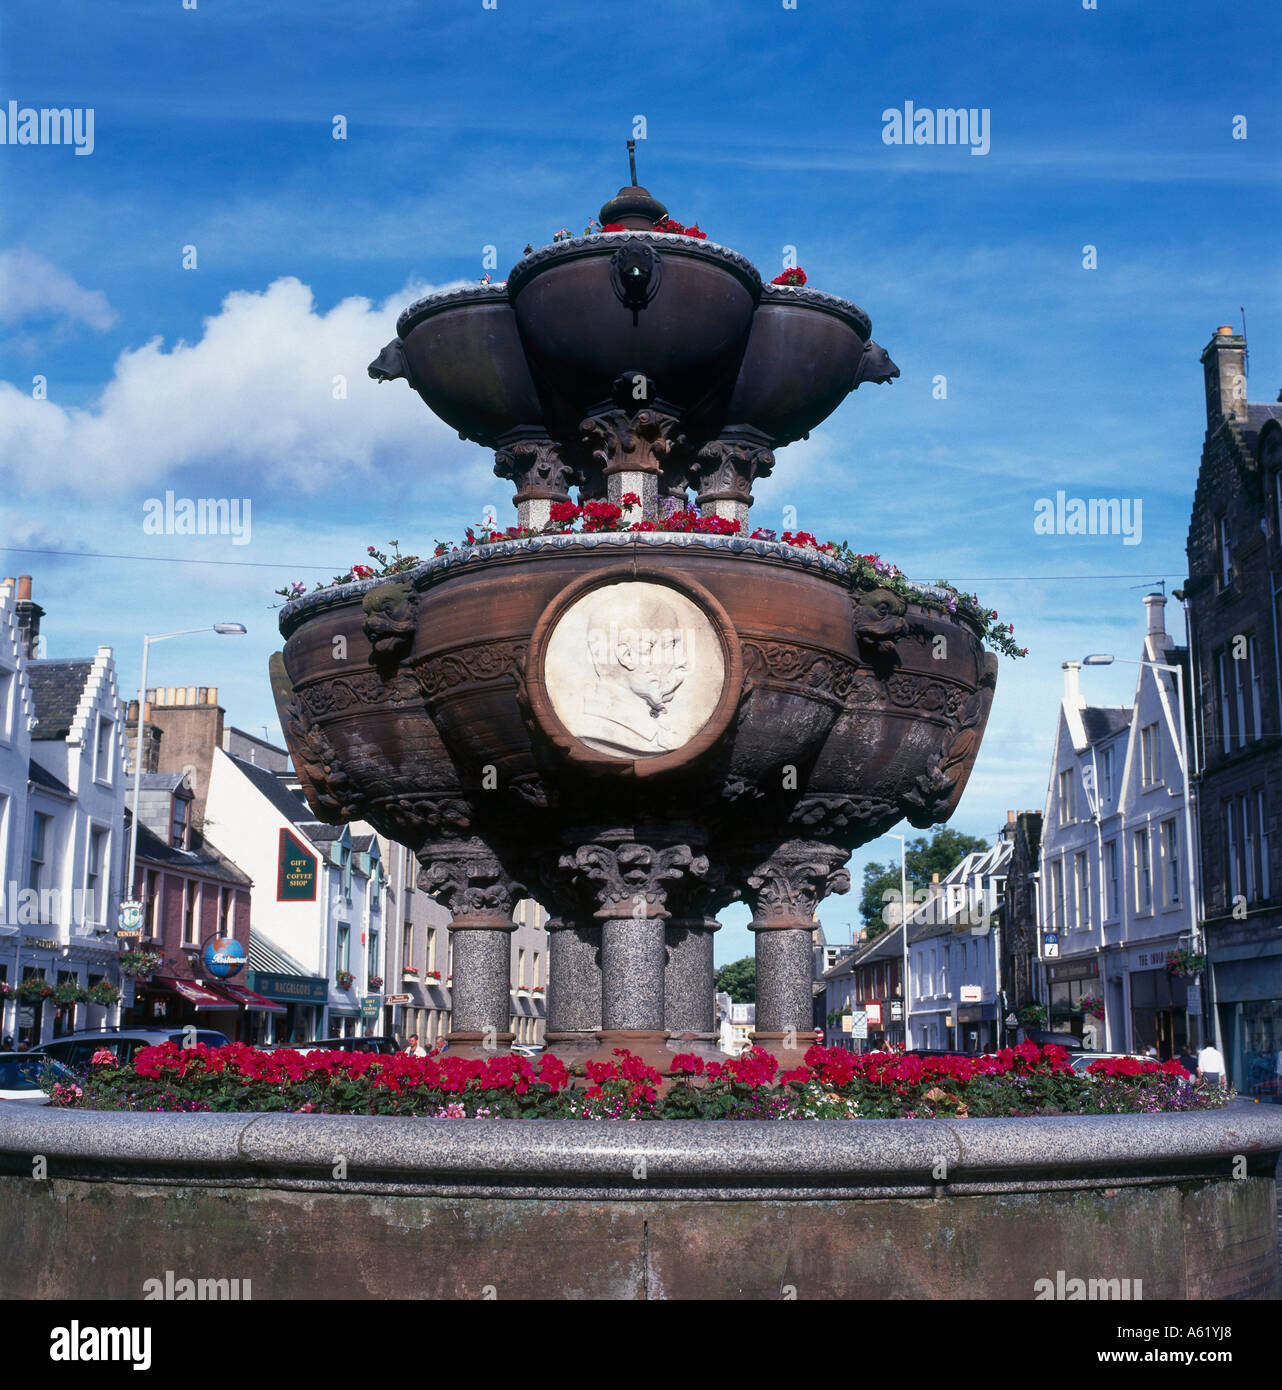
(295, 871)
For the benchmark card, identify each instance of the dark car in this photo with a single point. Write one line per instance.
(22, 1072)
(76, 1049)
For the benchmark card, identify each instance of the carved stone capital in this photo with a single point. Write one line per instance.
(537, 465)
(629, 878)
(786, 887)
(725, 469)
(467, 879)
(846, 820)
(623, 441)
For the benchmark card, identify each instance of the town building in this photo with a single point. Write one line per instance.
(194, 901)
(868, 981)
(61, 804)
(1114, 874)
(1232, 601)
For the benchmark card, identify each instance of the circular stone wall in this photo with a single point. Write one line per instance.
(1134, 1207)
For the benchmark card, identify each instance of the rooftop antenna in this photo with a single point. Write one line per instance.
(1157, 583)
(632, 162)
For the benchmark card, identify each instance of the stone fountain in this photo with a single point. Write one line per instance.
(635, 728)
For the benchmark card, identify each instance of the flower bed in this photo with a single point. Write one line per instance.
(830, 1084)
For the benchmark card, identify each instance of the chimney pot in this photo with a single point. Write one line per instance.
(24, 586)
(1225, 330)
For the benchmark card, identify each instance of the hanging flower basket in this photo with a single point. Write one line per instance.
(34, 989)
(1090, 1007)
(1032, 1015)
(344, 978)
(376, 982)
(139, 965)
(1185, 963)
(104, 994)
(70, 992)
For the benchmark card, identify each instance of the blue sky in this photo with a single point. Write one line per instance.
(468, 127)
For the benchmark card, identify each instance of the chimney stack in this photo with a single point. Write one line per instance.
(1157, 638)
(1224, 369)
(1073, 684)
(29, 614)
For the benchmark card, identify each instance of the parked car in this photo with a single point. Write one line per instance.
(1081, 1060)
(20, 1075)
(381, 1044)
(76, 1049)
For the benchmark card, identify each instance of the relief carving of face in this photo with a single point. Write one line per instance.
(634, 668)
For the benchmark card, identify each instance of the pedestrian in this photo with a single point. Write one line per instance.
(1188, 1060)
(415, 1048)
(1210, 1065)
(7, 1045)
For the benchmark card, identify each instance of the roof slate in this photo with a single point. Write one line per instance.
(56, 688)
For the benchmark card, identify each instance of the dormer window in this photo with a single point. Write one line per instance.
(180, 822)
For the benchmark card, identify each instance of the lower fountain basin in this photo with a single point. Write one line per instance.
(1135, 1207)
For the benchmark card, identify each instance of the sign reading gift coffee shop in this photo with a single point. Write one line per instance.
(295, 871)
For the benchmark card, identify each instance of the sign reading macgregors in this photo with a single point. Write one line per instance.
(295, 871)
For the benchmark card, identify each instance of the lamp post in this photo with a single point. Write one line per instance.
(903, 924)
(1105, 659)
(224, 629)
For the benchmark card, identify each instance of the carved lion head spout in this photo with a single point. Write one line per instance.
(390, 364)
(391, 615)
(879, 620)
(875, 366)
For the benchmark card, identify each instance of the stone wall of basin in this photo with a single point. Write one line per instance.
(1180, 1206)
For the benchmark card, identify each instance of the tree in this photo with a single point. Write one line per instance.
(938, 855)
(738, 980)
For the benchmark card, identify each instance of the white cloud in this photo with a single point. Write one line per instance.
(249, 409)
(32, 288)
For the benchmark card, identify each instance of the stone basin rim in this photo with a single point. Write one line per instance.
(718, 1159)
(296, 612)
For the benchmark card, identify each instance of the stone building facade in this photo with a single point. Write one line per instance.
(1232, 604)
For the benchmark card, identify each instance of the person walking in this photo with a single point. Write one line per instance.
(1210, 1065)
(415, 1048)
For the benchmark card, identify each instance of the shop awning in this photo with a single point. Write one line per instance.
(199, 996)
(256, 1003)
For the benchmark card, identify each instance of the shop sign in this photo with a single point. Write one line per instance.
(1050, 945)
(858, 1025)
(295, 871)
(223, 957)
(371, 1007)
(1195, 996)
(971, 994)
(398, 998)
(129, 923)
(289, 989)
(896, 1011)
(873, 1012)
(39, 943)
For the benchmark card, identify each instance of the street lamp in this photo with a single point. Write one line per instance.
(1106, 659)
(903, 923)
(223, 629)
